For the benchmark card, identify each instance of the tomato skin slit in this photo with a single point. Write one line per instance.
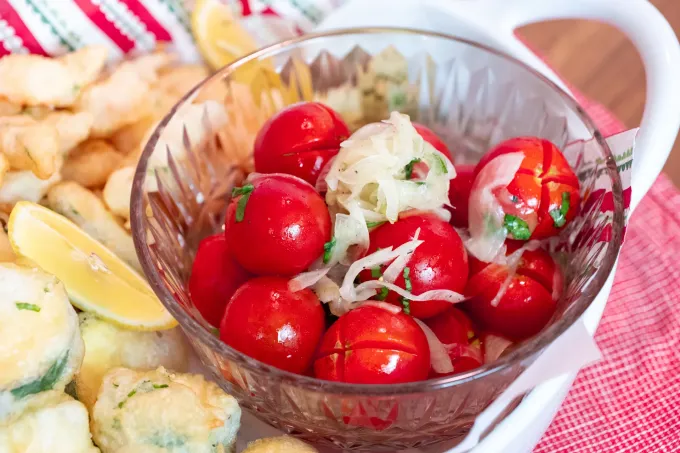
(547, 157)
(371, 344)
(562, 179)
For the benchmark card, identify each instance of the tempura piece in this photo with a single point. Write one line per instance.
(30, 145)
(72, 128)
(281, 444)
(118, 190)
(53, 422)
(24, 185)
(124, 97)
(56, 82)
(91, 163)
(87, 211)
(40, 348)
(179, 80)
(6, 252)
(177, 412)
(9, 108)
(108, 346)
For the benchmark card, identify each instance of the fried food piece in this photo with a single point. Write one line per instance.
(30, 145)
(24, 185)
(87, 211)
(179, 80)
(91, 163)
(41, 347)
(72, 128)
(177, 412)
(9, 108)
(53, 422)
(108, 346)
(6, 252)
(118, 190)
(281, 444)
(125, 96)
(57, 82)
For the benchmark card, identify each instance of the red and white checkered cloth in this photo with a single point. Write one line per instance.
(630, 401)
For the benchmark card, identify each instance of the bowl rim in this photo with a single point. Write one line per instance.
(525, 352)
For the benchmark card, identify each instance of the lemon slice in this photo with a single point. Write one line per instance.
(220, 37)
(96, 280)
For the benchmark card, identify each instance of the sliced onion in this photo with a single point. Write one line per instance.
(394, 309)
(512, 261)
(494, 346)
(397, 266)
(306, 279)
(377, 258)
(321, 185)
(435, 294)
(439, 356)
(486, 215)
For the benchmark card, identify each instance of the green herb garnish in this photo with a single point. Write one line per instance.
(328, 250)
(46, 382)
(375, 272)
(517, 227)
(132, 393)
(406, 304)
(27, 306)
(440, 163)
(215, 331)
(244, 192)
(559, 216)
(408, 168)
(120, 405)
(374, 224)
(407, 279)
(382, 295)
(160, 386)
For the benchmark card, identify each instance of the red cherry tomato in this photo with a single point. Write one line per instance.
(459, 195)
(523, 310)
(270, 323)
(454, 329)
(536, 264)
(371, 345)
(299, 140)
(430, 137)
(215, 276)
(544, 194)
(284, 224)
(440, 262)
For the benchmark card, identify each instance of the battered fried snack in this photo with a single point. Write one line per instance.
(56, 82)
(41, 347)
(108, 346)
(282, 444)
(87, 211)
(91, 163)
(29, 144)
(51, 422)
(24, 185)
(176, 412)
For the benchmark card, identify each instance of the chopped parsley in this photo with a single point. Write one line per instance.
(408, 168)
(375, 272)
(46, 382)
(132, 393)
(406, 304)
(374, 224)
(441, 164)
(160, 386)
(328, 249)
(559, 215)
(215, 331)
(244, 192)
(517, 227)
(382, 295)
(27, 306)
(407, 279)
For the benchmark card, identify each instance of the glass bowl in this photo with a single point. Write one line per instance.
(473, 97)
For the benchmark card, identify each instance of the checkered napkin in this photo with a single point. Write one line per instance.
(630, 400)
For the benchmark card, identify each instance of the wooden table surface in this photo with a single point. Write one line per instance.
(603, 65)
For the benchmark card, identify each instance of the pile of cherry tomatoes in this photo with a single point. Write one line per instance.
(277, 225)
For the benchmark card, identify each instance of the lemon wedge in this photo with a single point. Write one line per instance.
(96, 280)
(220, 37)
